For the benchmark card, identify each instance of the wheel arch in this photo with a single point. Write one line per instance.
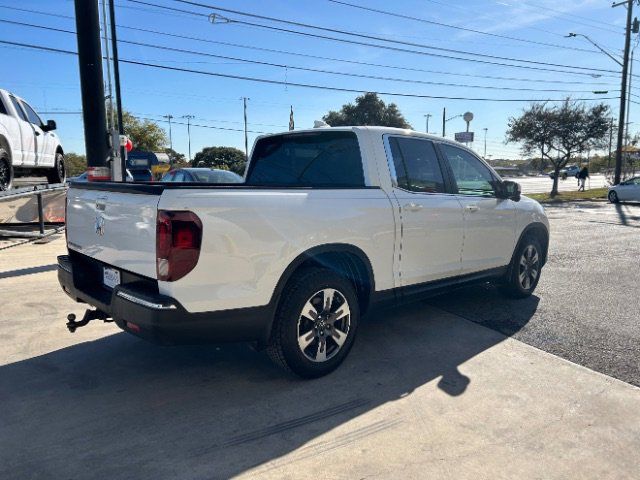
(4, 143)
(59, 149)
(345, 259)
(540, 231)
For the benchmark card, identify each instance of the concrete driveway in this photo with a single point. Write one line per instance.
(424, 394)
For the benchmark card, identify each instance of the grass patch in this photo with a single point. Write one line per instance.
(593, 194)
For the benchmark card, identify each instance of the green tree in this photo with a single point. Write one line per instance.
(224, 158)
(178, 160)
(75, 164)
(368, 109)
(145, 134)
(559, 132)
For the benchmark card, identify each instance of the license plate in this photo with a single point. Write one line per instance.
(110, 277)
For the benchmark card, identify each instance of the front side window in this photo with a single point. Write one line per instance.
(3, 109)
(416, 164)
(470, 174)
(18, 108)
(324, 159)
(31, 114)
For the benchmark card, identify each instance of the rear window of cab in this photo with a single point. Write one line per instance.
(309, 159)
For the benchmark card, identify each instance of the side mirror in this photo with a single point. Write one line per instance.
(510, 190)
(51, 125)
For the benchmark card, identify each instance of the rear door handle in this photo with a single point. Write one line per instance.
(414, 207)
(471, 208)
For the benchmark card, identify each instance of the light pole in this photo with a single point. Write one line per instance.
(485, 142)
(445, 120)
(246, 140)
(189, 117)
(169, 117)
(623, 87)
(427, 117)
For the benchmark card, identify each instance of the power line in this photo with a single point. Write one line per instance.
(300, 85)
(456, 27)
(385, 47)
(307, 69)
(355, 62)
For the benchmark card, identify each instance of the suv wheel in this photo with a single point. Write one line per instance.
(58, 173)
(525, 269)
(6, 171)
(315, 323)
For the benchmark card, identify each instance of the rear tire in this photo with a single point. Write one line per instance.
(613, 197)
(315, 323)
(525, 269)
(58, 174)
(6, 171)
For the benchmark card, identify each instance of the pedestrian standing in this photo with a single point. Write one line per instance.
(582, 178)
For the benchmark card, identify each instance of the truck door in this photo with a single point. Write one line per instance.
(432, 220)
(489, 222)
(27, 136)
(44, 156)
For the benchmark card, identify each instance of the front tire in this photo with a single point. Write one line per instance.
(524, 271)
(613, 197)
(6, 171)
(58, 174)
(315, 324)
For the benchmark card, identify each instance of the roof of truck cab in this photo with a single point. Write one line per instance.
(372, 130)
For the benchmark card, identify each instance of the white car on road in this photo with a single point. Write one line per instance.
(27, 144)
(329, 223)
(629, 190)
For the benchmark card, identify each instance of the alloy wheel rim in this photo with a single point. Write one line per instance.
(61, 170)
(4, 175)
(529, 267)
(323, 325)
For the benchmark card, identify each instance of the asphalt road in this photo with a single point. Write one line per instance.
(543, 184)
(586, 307)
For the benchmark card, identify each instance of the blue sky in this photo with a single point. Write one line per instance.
(50, 81)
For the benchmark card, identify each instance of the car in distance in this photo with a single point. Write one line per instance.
(28, 146)
(201, 175)
(629, 190)
(570, 171)
(329, 223)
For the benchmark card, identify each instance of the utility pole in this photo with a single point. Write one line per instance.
(189, 117)
(485, 142)
(623, 89)
(633, 50)
(444, 122)
(246, 140)
(169, 117)
(427, 117)
(92, 87)
(116, 80)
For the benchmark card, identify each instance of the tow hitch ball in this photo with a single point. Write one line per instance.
(89, 315)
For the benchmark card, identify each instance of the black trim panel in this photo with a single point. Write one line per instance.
(437, 287)
(169, 326)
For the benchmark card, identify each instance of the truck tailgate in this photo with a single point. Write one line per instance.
(117, 228)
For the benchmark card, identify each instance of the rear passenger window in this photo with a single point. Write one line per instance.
(313, 159)
(3, 109)
(416, 164)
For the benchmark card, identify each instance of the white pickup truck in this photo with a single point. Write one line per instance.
(328, 223)
(27, 144)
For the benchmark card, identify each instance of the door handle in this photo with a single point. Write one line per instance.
(471, 208)
(414, 207)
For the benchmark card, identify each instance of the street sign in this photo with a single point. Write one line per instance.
(464, 137)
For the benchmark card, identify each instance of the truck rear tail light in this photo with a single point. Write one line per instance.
(178, 240)
(99, 174)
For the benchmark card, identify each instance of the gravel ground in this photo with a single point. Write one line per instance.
(587, 305)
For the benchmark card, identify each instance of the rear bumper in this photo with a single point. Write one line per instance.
(138, 308)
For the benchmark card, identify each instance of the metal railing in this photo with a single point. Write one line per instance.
(12, 229)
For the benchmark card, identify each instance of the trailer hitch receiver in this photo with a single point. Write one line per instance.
(89, 315)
